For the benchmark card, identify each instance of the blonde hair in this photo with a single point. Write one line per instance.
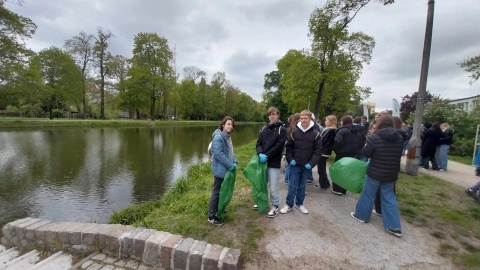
(333, 121)
(444, 126)
(306, 112)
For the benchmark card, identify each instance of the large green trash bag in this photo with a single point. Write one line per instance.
(349, 173)
(226, 192)
(256, 173)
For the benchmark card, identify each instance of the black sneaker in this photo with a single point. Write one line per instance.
(273, 212)
(337, 192)
(319, 187)
(355, 217)
(397, 233)
(472, 193)
(215, 221)
(309, 181)
(255, 207)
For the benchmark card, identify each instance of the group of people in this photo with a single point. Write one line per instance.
(306, 144)
(436, 141)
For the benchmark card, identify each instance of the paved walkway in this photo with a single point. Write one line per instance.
(329, 238)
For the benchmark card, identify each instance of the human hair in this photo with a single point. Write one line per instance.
(273, 110)
(364, 117)
(333, 121)
(397, 122)
(385, 121)
(293, 122)
(224, 120)
(357, 120)
(306, 112)
(444, 126)
(347, 121)
(436, 125)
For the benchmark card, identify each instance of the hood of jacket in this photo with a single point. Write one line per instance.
(299, 125)
(219, 132)
(389, 134)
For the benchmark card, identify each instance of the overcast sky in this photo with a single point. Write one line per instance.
(245, 38)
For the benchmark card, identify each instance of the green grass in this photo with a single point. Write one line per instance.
(461, 159)
(447, 212)
(183, 210)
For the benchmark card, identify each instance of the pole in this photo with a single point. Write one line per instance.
(415, 143)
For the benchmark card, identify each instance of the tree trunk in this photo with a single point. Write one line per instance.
(318, 101)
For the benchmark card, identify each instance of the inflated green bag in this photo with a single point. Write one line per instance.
(226, 192)
(256, 173)
(349, 173)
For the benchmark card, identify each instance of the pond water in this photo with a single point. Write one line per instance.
(84, 174)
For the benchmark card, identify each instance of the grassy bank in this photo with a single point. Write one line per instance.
(8, 123)
(440, 208)
(464, 160)
(183, 209)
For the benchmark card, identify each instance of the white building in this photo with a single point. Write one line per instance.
(467, 104)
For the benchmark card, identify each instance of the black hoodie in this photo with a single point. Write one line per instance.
(271, 141)
(384, 148)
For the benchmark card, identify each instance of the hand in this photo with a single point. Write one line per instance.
(292, 163)
(308, 166)
(233, 168)
(263, 158)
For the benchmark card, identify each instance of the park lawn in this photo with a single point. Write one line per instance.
(439, 207)
(467, 160)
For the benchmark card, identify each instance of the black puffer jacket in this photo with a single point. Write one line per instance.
(271, 141)
(348, 142)
(384, 148)
(447, 137)
(304, 146)
(328, 138)
(430, 140)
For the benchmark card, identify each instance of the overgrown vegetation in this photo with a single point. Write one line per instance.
(183, 210)
(446, 212)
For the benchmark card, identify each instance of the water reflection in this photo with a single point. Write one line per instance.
(86, 174)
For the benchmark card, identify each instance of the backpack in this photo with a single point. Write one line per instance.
(209, 149)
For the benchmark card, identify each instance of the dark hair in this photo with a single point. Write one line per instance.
(357, 120)
(385, 121)
(397, 122)
(273, 110)
(347, 121)
(364, 117)
(427, 125)
(224, 120)
(436, 125)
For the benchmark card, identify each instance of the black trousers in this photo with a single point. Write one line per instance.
(213, 206)
(322, 173)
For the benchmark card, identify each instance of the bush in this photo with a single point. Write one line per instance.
(462, 147)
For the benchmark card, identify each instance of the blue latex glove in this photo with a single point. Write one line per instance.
(308, 166)
(263, 158)
(293, 163)
(233, 168)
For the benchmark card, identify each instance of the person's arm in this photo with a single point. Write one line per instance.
(289, 149)
(317, 152)
(259, 146)
(369, 147)
(338, 141)
(278, 147)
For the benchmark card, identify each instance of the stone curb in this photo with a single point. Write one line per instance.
(153, 248)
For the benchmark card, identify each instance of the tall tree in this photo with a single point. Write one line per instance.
(472, 66)
(193, 73)
(80, 47)
(61, 79)
(273, 93)
(409, 102)
(102, 57)
(14, 30)
(151, 68)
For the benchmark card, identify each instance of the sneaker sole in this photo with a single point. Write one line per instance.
(301, 210)
(394, 233)
(270, 216)
(213, 222)
(356, 218)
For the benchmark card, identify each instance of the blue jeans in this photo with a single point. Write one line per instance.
(273, 177)
(296, 185)
(287, 173)
(442, 156)
(390, 213)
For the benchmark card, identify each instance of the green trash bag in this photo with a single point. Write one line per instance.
(256, 173)
(349, 173)
(226, 192)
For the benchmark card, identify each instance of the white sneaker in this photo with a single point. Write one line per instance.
(286, 209)
(273, 212)
(303, 209)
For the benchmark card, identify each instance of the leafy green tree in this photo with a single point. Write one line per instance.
(472, 66)
(14, 30)
(80, 48)
(102, 57)
(61, 79)
(409, 102)
(188, 92)
(273, 93)
(193, 73)
(151, 71)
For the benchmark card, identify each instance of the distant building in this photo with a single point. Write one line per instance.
(467, 104)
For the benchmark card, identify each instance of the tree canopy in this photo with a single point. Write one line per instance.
(472, 66)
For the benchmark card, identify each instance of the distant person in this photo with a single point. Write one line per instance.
(328, 139)
(293, 120)
(384, 149)
(223, 160)
(365, 123)
(303, 151)
(429, 146)
(409, 129)
(444, 143)
(270, 144)
(361, 129)
(319, 123)
(347, 143)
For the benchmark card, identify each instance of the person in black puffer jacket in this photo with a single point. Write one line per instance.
(270, 143)
(303, 151)
(348, 142)
(384, 148)
(429, 146)
(328, 138)
(444, 143)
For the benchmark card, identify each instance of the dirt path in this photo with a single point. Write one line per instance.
(329, 238)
